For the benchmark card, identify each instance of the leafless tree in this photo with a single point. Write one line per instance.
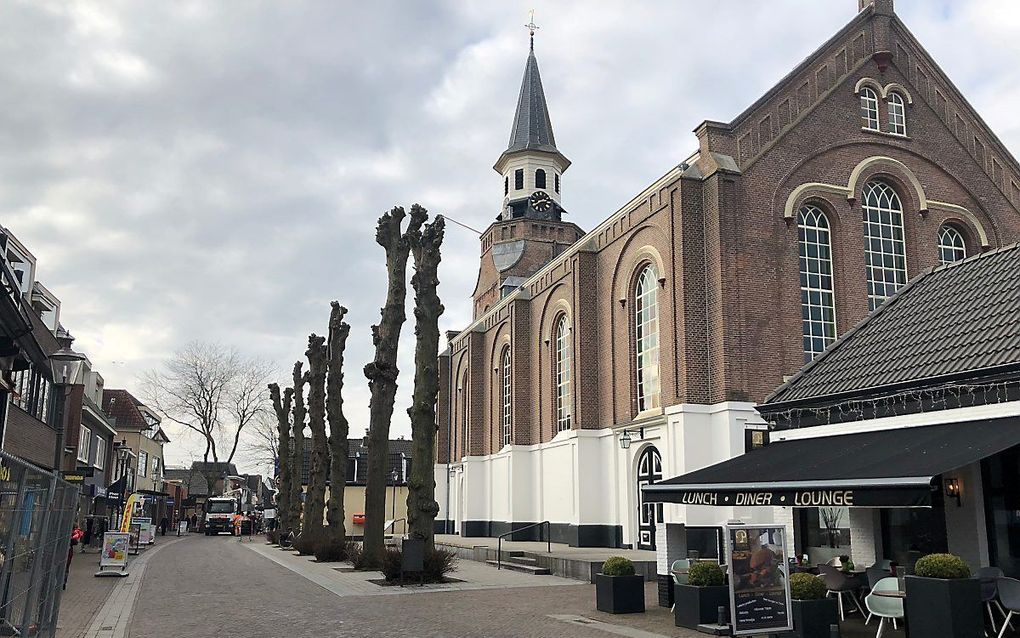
(338, 426)
(281, 405)
(297, 453)
(315, 497)
(382, 373)
(212, 390)
(261, 443)
(421, 489)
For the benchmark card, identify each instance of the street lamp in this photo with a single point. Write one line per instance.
(67, 367)
(625, 440)
(393, 507)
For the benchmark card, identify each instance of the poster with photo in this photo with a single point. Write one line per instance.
(759, 582)
(115, 550)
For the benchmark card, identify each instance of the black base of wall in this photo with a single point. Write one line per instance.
(665, 590)
(569, 534)
(440, 526)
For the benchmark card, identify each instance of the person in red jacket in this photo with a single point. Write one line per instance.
(76, 534)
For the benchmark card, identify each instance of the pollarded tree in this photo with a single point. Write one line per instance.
(338, 426)
(421, 488)
(315, 498)
(298, 451)
(281, 405)
(382, 372)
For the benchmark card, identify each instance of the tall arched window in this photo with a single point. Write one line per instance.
(539, 178)
(817, 303)
(462, 408)
(869, 109)
(506, 412)
(897, 114)
(562, 370)
(951, 245)
(646, 338)
(884, 252)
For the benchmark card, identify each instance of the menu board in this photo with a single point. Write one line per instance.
(759, 582)
(115, 550)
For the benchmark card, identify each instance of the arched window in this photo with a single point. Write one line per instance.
(539, 178)
(897, 114)
(951, 245)
(869, 109)
(462, 408)
(646, 338)
(562, 371)
(505, 416)
(884, 252)
(817, 303)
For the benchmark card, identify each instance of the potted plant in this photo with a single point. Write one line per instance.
(618, 590)
(943, 601)
(812, 612)
(698, 601)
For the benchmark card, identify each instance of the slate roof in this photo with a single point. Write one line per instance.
(123, 406)
(961, 320)
(532, 129)
(399, 452)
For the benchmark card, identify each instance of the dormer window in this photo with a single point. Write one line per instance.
(519, 179)
(540, 178)
(869, 109)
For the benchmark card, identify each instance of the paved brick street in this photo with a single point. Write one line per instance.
(84, 595)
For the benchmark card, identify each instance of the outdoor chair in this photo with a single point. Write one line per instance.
(884, 564)
(989, 577)
(1009, 597)
(837, 583)
(679, 570)
(875, 574)
(884, 606)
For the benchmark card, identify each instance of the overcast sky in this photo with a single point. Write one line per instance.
(213, 170)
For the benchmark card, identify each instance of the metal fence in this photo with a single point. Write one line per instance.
(37, 510)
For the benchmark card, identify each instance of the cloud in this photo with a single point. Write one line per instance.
(195, 170)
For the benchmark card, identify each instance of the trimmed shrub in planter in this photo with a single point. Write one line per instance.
(618, 590)
(698, 601)
(438, 563)
(943, 601)
(812, 612)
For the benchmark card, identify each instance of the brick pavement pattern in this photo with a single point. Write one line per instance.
(84, 595)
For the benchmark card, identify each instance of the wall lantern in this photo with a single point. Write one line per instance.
(625, 438)
(953, 490)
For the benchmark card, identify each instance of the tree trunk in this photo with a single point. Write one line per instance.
(315, 500)
(382, 373)
(283, 472)
(338, 426)
(298, 453)
(421, 487)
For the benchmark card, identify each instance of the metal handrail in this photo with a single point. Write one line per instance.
(393, 525)
(499, 540)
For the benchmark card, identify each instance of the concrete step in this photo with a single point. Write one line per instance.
(524, 560)
(522, 567)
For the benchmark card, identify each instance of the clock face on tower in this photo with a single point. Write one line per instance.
(541, 201)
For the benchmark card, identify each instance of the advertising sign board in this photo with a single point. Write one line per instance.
(115, 550)
(759, 582)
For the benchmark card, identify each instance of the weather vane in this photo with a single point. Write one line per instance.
(531, 26)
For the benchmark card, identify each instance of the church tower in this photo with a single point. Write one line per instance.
(529, 230)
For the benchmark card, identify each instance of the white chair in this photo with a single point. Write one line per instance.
(884, 606)
(678, 570)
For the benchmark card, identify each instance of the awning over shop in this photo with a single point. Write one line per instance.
(886, 468)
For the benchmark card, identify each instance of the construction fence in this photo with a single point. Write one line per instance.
(37, 510)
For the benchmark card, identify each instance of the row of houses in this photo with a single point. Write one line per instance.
(55, 411)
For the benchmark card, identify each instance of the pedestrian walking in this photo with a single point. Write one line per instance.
(163, 524)
(76, 535)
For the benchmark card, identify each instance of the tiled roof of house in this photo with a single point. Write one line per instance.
(123, 406)
(957, 320)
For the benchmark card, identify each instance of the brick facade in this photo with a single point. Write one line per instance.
(719, 230)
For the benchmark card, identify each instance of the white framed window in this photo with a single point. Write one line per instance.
(562, 373)
(143, 463)
(817, 302)
(100, 461)
(869, 109)
(884, 250)
(646, 338)
(951, 245)
(897, 114)
(84, 439)
(506, 388)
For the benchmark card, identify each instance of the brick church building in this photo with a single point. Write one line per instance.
(602, 360)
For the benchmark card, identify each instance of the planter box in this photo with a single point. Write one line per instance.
(699, 605)
(812, 618)
(938, 608)
(620, 594)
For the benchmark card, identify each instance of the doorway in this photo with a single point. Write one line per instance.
(649, 514)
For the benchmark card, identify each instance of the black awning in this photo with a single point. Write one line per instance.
(886, 468)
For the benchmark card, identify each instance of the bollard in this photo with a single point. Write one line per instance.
(721, 618)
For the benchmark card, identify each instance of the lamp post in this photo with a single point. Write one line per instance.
(67, 367)
(393, 507)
